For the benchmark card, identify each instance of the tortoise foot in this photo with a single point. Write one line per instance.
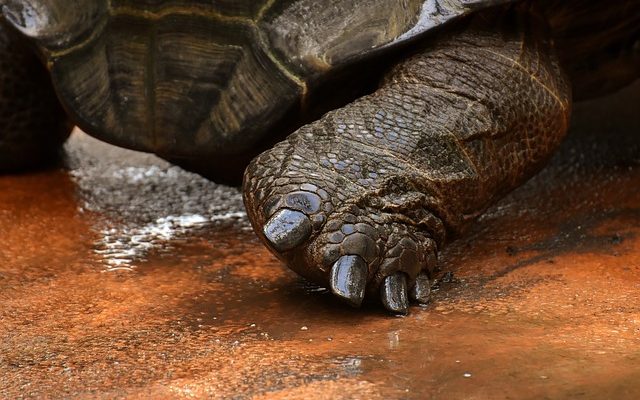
(358, 250)
(361, 199)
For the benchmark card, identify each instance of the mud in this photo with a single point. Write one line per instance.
(121, 275)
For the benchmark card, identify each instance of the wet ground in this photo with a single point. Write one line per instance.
(121, 275)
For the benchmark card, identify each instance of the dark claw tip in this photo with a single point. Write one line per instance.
(394, 293)
(349, 278)
(422, 289)
(287, 229)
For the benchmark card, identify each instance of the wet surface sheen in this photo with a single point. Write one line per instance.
(123, 276)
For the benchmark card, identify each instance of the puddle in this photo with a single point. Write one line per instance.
(540, 299)
(142, 203)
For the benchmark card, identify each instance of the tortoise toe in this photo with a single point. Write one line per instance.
(394, 293)
(349, 278)
(287, 229)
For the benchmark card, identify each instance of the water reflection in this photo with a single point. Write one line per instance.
(394, 340)
(142, 203)
(352, 366)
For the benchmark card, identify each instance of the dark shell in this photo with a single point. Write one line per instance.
(196, 78)
(199, 79)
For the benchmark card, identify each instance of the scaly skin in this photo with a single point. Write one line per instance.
(363, 199)
(33, 125)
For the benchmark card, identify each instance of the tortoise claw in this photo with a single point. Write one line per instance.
(287, 229)
(422, 289)
(349, 278)
(394, 293)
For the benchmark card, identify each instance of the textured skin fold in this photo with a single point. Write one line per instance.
(399, 172)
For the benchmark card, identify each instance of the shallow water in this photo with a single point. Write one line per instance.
(121, 275)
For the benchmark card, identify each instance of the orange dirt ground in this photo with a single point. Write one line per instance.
(123, 276)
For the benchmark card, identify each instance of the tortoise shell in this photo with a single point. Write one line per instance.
(205, 79)
(196, 78)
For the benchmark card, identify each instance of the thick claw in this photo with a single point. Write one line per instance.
(394, 293)
(287, 229)
(349, 278)
(422, 289)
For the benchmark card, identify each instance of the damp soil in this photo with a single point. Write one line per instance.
(124, 276)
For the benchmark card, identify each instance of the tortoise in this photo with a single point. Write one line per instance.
(372, 132)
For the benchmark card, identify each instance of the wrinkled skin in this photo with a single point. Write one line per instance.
(362, 199)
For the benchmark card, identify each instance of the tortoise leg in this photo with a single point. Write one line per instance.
(33, 125)
(363, 199)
